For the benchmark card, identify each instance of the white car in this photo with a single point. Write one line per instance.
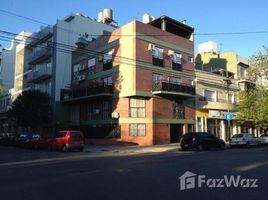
(244, 139)
(263, 139)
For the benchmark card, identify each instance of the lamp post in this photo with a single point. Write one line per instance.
(228, 82)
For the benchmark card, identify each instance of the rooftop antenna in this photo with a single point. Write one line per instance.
(220, 49)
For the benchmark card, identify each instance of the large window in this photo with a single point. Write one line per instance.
(108, 80)
(137, 130)
(158, 56)
(108, 60)
(177, 62)
(137, 107)
(210, 95)
(91, 66)
(178, 110)
(241, 72)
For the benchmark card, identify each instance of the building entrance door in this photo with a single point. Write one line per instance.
(176, 131)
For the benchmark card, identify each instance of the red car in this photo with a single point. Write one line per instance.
(66, 140)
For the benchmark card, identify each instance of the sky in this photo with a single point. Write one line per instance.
(206, 16)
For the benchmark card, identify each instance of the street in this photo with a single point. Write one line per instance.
(39, 174)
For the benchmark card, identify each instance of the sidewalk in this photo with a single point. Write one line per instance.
(131, 149)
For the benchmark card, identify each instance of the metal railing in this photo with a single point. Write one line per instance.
(173, 87)
(85, 91)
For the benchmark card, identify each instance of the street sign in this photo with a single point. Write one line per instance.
(228, 116)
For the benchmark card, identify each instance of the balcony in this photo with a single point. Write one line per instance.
(40, 55)
(219, 104)
(41, 36)
(40, 75)
(84, 93)
(165, 88)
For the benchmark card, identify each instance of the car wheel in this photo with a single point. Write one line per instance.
(64, 148)
(247, 145)
(222, 146)
(183, 148)
(259, 143)
(200, 147)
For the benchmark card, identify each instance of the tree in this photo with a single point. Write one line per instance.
(31, 109)
(253, 107)
(1, 89)
(253, 104)
(258, 65)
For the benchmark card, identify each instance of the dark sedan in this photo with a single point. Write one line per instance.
(200, 141)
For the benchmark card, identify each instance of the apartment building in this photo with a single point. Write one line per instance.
(7, 76)
(213, 102)
(44, 63)
(212, 106)
(136, 84)
(209, 59)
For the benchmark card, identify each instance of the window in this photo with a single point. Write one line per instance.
(91, 66)
(107, 60)
(210, 95)
(137, 130)
(137, 107)
(158, 56)
(177, 62)
(241, 72)
(108, 80)
(190, 59)
(174, 80)
(199, 123)
(178, 110)
(157, 78)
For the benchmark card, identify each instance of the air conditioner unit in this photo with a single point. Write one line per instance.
(96, 111)
(151, 47)
(115, 115)
(170, 52)
(81, 77)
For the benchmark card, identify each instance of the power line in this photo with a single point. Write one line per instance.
(196, 34)
(68, 49)
(23, 17)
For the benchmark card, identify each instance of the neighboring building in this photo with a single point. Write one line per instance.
(212, 104)
(136, 84)
(45, 62)
(227, 65)
(208, 59)
(9, 56)
(7, 77)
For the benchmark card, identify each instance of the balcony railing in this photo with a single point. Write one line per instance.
(84, 92)
(39, 75)
(175, 88)
(42, 35)
(40, 55)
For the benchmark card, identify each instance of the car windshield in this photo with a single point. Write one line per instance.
(238, 136)
(265, 135)
(60, 134)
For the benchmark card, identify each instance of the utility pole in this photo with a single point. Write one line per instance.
(228, 82)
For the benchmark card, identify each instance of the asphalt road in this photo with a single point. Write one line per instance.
(42, 175)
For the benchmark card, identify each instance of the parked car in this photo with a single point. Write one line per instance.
(20, 139)
(200, 141)
(263, 139)
(37, 141)
(67, 140)
(244, 139)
